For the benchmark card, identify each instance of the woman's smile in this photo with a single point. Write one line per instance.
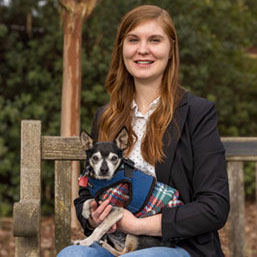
(144, 62)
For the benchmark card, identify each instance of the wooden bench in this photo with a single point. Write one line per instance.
(36, 148)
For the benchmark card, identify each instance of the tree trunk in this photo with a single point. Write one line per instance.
(74, 14)
(29, 24)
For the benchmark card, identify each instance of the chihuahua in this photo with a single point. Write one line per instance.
(103, 161)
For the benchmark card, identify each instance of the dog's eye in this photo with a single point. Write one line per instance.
(114, 158)
(95, 158)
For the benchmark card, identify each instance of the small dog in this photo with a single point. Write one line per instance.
(103, 160)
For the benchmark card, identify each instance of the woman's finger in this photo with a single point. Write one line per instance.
(94, 205)
(105, 213)
(99, 214)
(101, 208)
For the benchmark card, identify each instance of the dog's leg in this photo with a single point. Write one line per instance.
(87, 208)
(110, 249)
(114, 216)
(131, 244)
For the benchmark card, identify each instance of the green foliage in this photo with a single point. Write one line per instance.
(31, 72)
(213, 36)
(249, 176)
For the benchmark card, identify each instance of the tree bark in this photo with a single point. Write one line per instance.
(29, 24)
(74, 13)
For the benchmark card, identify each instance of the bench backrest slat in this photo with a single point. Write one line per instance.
(69, 148)
(62, 148)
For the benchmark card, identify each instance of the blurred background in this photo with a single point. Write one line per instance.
(218, 52)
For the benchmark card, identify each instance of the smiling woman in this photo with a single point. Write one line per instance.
(171, 134)
(146, 34)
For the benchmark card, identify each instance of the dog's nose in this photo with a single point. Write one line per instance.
(104, 168)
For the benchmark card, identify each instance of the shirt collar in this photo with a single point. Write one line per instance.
(153, 105)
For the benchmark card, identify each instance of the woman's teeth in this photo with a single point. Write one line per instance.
(144, 62)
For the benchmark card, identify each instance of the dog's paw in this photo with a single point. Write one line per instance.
(86, 213)
(77, 242)
(87, 208)
(86, 242)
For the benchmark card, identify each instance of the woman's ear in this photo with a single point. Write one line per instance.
(121, 140)
(86, 140)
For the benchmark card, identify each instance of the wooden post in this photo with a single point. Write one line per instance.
(237, 209)
(256, 184)
(74, 13)
(62, 204)
(27, 211)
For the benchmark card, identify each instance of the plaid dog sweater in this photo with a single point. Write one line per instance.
(134, 190)
(162, 195)
(140, 187)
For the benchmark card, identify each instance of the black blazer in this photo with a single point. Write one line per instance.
(195, 165)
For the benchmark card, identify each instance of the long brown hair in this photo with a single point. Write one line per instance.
(121, 89)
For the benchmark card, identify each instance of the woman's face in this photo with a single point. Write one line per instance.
(146, 51)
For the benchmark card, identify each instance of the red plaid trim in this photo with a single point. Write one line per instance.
(118, 195)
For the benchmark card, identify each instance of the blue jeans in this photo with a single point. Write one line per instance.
(96, 250)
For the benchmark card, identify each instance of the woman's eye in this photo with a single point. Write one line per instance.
(132, 40)
(155, 40)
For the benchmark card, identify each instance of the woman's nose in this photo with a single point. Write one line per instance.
(143, 48)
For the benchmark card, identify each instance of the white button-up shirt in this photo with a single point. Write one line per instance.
(139, 126)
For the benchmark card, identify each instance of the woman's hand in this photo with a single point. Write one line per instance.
(128, 224)
(99, 213)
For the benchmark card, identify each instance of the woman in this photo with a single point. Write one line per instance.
(172, 134)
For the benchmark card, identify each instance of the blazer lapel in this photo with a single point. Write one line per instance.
(170, 140)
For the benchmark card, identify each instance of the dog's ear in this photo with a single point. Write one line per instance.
(86, 140)
(121, 140)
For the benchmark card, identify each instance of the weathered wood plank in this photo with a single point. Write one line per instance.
(62, 204)
(30, 188)
(256, 183)
(26, 218)
(62, 148)
(241, 158)
(30, 160)
(240, 148)
(70, 148)
(237, 209)
(28, 247)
